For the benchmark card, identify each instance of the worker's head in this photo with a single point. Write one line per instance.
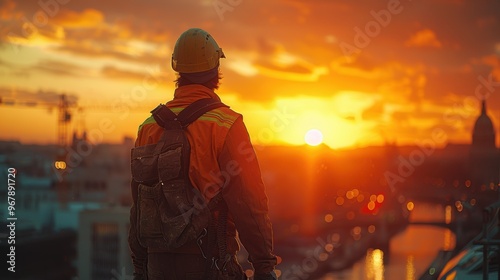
(196, 58)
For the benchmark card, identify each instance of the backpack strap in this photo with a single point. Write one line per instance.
(168, 119)
(164, 117)
(197, 109)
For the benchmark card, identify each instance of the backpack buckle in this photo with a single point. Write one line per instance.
(199, 242)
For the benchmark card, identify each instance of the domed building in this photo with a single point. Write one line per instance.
(484, 155)
(483, 136)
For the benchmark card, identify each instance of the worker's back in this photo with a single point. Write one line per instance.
(222, 166)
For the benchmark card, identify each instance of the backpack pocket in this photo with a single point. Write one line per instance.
(144, 164)
(169, 164)
(166, 219)
(148, 215)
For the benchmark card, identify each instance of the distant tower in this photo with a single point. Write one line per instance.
(483, 152)
(483, 136)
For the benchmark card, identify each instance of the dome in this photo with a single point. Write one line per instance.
(484, 133)
(483, 125)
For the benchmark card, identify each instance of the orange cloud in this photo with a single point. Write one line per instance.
(7, 10)
(278, 62)
(296, 72)
(72, 19)
(424, 38)
(117, 73)
(494, 62)
(46, 37)
(275, 62)
(340, 67)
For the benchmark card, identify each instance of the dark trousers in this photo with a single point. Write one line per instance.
(170, 266)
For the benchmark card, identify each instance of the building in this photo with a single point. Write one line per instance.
(103, 252)
(48, 224)
(484, 156)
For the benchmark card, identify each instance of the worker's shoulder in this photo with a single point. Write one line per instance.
(149, 121)
(222, 116)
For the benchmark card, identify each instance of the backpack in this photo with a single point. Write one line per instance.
(170, 211)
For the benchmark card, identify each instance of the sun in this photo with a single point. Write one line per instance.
(313, 137)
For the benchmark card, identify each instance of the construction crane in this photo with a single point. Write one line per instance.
(65, 112)
(63, 120)
(64, 115)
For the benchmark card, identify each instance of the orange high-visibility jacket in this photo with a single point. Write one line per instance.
(222, 159)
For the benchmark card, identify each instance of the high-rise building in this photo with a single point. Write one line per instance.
(103, 252)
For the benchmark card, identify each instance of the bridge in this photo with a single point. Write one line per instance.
(460, 207)
(435, 209)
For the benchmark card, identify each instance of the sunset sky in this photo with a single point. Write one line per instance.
(362, 72)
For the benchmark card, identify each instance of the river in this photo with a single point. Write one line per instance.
(411, 251)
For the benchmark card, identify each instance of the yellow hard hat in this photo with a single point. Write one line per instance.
(195, 51)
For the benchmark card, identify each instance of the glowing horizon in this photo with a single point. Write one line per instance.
(361, 73)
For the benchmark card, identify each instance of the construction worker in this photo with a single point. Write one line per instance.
(222, 160)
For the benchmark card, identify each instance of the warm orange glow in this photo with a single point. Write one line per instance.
(337, 132)
(283, 82)
(371, 205)
(249, 273)
(424, 38)
(363, 123)
(329, 247)
(355, 192)
(375, 264)
(323, 257)
(449, 240)
(410, 268)
(339, 200)
(328, 218)
(313, 137)
(410, 206)
(308, 225)
(371, 229)
(349, 194)
(356, 230)
(61, 165)
(447, 214)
